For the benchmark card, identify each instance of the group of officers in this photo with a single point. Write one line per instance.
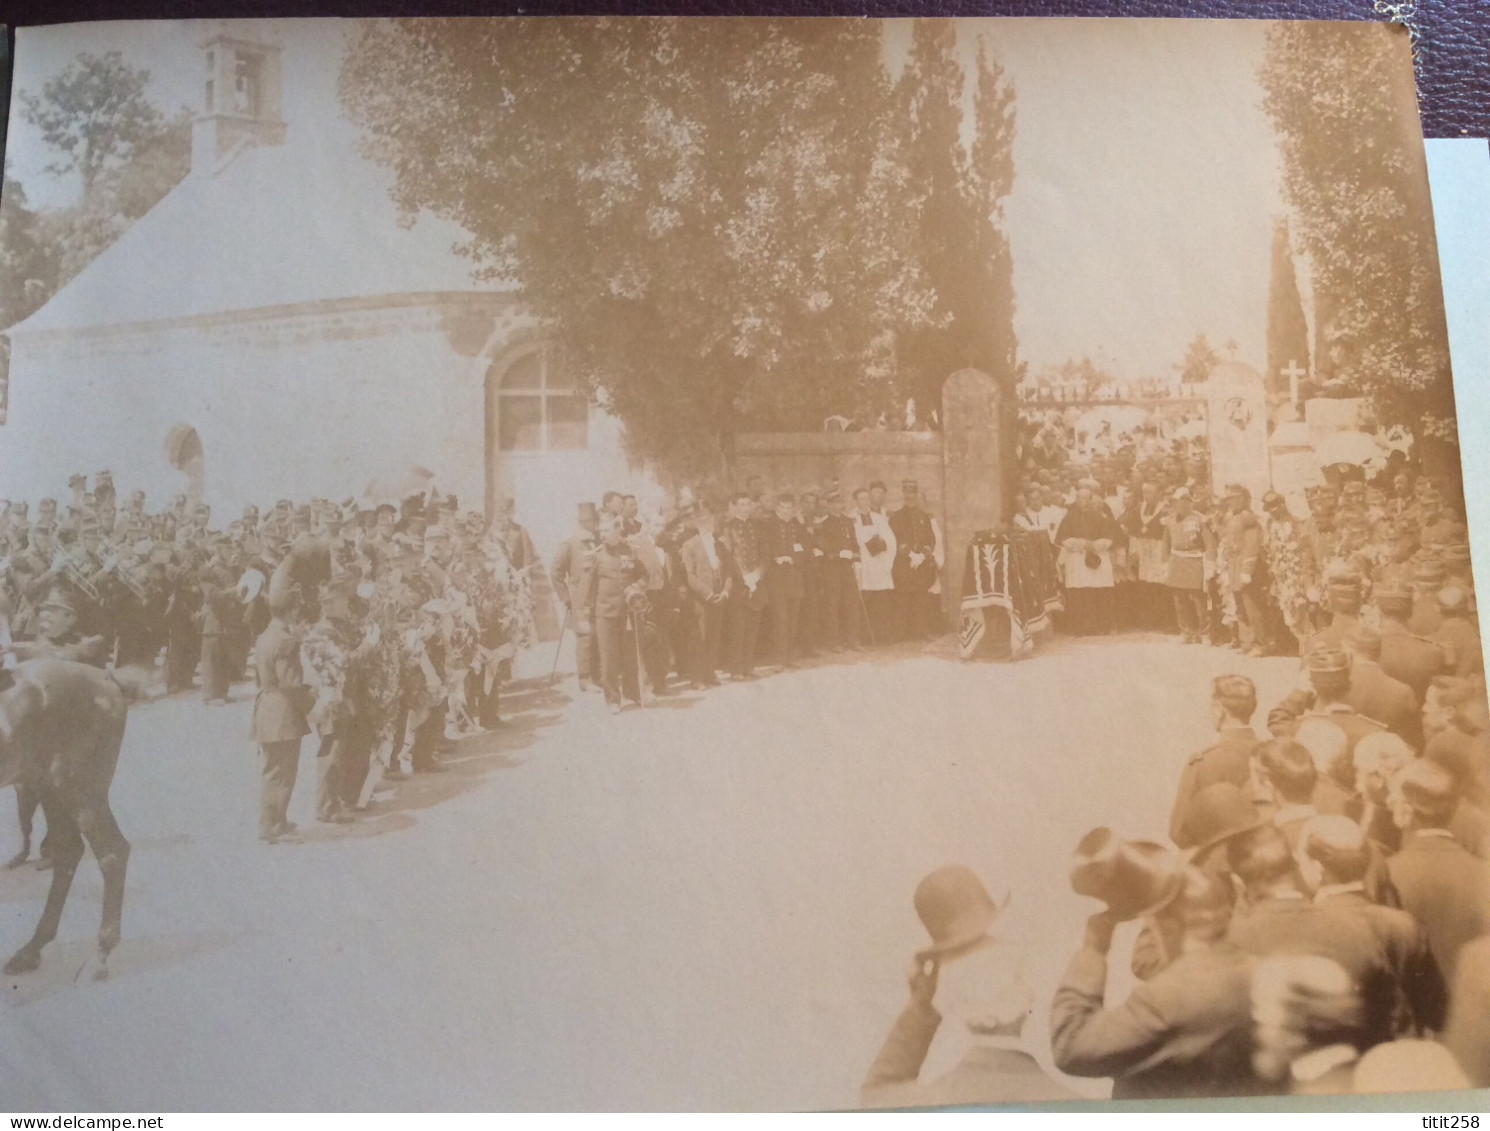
(1317, 920)
(723, 581)
(377, 627)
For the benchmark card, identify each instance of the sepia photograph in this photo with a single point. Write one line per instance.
(731, 564)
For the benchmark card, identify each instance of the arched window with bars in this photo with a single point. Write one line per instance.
(538, 407)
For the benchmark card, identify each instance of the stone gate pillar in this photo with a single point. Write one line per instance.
(975, 446)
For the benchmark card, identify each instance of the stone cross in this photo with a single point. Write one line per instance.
(1293, 373)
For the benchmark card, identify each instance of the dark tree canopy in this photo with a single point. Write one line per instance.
(1288, 331)
(1199, 362)
(1341, 100)
(721, 219)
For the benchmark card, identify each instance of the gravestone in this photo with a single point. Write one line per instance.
(975, 446)
(1237, 421)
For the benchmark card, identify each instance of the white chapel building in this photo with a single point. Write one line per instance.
(272, 329)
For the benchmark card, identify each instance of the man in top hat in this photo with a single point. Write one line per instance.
(1377, 695)
(981, 982)
(1191, 548)
(1229, 759)
(1458, 633)
(1185, 1032)
(918, 563)
(1405, 655)
(1437, 879)
(571, 578)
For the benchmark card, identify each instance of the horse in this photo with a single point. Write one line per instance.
(61, 728)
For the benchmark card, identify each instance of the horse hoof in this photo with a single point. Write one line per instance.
(18, 859)
(23, 961)
(101, 972)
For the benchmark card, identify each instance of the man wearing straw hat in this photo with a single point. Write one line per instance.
(981, 982)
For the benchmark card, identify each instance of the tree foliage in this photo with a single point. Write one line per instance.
(1288, 331)
(721, 219)
(1341, 101)
(93, 115)
(1199, 362)
(960, 232)
(127, 154)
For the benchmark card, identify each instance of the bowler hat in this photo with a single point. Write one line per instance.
(1133, 877)
(955, 909)
(1217, 813)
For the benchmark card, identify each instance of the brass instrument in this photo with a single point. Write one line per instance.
(73, 571)
(126, 578)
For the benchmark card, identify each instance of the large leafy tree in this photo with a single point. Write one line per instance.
(1341, 100)
(961, 239)
(93, 115)
(720, 218)
(100, 126)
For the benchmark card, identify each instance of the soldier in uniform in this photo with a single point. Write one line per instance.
(1429, 577)
(1343, 598)
(1229, 759)
(1329, 678)
(615, 580)
(1246, 567)
(785, 557)
(1405, 655)
(279, 714)
(1191, 549)
(916, 566)
(570, 577)
(1458, 633)
(1377, 695)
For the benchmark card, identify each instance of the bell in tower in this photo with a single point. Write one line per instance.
(241, 103)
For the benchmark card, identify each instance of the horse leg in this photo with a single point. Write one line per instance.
(26, 811)
(96, 821)
(67, 850)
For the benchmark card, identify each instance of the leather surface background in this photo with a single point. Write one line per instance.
(1454, 35)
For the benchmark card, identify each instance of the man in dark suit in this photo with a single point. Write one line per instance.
(570, 578)
(979, 981)
(784, 554)
(279, 714)
(1186, 1031)
(915, 569)
(711, 582)
(1233, 703)
(1458, 633)
(836, 541)
(1404, 655)
(1439, 880)
(742, 537)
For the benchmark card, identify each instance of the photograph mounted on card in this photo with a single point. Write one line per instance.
(731, 564)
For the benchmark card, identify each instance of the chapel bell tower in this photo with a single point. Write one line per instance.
(242, 97)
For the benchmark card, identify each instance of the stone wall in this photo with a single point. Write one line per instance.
(798, 460)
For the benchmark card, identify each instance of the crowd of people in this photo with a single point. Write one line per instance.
(1143, 542)
(720, 584)
(376, 626)
(1317, 920)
